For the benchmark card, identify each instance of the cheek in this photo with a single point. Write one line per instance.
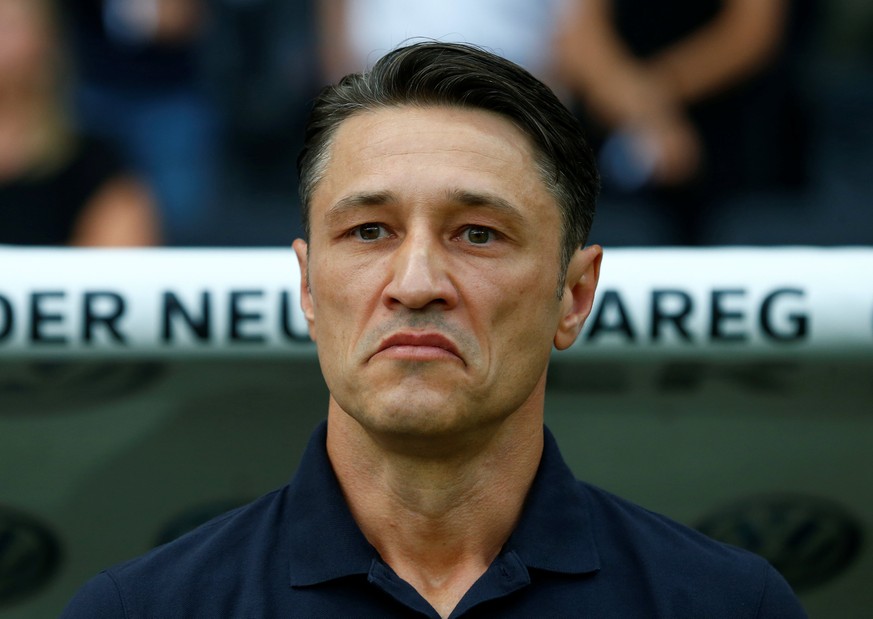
(342, 299)
(527, 317)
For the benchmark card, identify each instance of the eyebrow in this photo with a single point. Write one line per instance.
(359, 200)
(460, 197)
(488, 200)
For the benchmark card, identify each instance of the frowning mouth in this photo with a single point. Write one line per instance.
(418, 347)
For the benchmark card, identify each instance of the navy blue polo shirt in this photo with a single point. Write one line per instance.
(577, 552)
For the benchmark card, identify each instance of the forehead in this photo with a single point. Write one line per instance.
(454, 127)
(418, 151)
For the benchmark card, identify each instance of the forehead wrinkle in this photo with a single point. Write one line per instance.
(440, 149)
(386, 117)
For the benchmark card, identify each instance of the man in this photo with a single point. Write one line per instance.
(447, 196)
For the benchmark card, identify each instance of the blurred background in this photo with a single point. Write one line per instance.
(176, 123)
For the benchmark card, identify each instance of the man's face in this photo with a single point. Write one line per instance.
(432, 265)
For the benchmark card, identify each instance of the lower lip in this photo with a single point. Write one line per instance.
(417, 353)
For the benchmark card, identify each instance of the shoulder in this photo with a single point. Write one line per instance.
(622, 526)
(220, 543)
(693, 573)
(181, 575)
(97, 598)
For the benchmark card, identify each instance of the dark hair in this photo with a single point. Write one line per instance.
(460, 75)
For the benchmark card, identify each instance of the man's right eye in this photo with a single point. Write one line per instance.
(368, 232)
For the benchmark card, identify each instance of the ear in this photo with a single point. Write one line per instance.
(582, 275)
(302, 251)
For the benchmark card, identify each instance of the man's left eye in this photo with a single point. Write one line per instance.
(478, 235)
(369, 231)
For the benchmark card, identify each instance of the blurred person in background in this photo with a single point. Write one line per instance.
(356, 33)
(691, 102)
(56, 187)
(261, 69)
(138, 85)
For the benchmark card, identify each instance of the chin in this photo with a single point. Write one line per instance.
(413, 415)
(423, 427)
(417, 415)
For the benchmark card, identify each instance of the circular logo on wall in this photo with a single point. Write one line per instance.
(29, 555)
(809, 540)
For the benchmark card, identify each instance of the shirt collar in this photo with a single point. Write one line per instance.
(324, 543)
(555, 529)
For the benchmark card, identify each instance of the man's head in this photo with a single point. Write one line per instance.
(455, 75)
(434, 246)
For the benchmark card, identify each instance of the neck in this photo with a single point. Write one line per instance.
(437, 517)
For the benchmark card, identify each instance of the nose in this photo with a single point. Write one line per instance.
(419, 276)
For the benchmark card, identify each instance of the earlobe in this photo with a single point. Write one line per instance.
(583, 273)
(302, 251)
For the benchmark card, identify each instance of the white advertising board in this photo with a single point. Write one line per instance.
(720, 303)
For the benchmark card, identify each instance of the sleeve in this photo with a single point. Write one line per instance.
(778, 600)
(99, 598)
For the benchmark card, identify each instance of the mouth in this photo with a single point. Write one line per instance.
(418, 347)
